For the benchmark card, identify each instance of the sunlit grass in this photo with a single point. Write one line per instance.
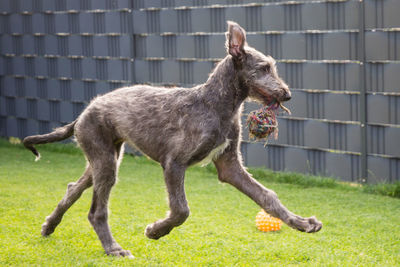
(359, 229)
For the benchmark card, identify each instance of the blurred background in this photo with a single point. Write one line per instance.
(340, 58)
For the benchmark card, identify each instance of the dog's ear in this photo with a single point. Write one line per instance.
(235, 40)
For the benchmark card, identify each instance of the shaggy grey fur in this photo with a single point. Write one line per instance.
(177, 127)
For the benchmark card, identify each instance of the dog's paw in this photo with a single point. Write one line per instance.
(47, 228)
(121, 253)
(151, 233)
(313, 225)
(308, 225)
(156, 230)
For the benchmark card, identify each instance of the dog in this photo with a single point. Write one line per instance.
(177, 127)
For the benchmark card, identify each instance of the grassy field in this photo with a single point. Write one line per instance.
(359, 229)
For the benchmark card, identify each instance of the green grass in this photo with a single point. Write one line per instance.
(359, 229)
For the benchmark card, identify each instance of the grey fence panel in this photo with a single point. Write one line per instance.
(113, 22)
(383, 109)
(51, 44)
(118, 70)
(320, 105)
(11, 126)
(11, 106)
(5, 6)
(68, 111)
(49, 5)
(311, 46)
(3, 126)
(15, 23)
(315, 134)
(383, 77)
(142, 71)
(324, 105)
(8, 87)
(43, 66)
(7, 44)
(392, 137)
(53, 89)
(211, 19)
(171, 71)
(43, 108)
(185, 46)
(5, 23)
(102, 5)
(320, 134)
(165, 21)
(320, 75)
(61, 23)
(381, 169)
(77, 4)
(32, 126)
(309, 75)
(171, 74)
(77, 91)
(90, 68)
(22, 65)
(64, 67)
(143, 4)
(388, 41)
(139, 22)
(3, 110)
(30, 89)
(28, 45)
(382, 14)
(38, 23)
(2, 67)
(277, 17)
(216, 50)
(86, 22)
(297, 159)
(75, 47)
(345, 166)
(8, 68)
(384, 140)
(154, 46)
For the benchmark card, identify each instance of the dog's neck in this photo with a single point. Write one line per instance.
(224, 88)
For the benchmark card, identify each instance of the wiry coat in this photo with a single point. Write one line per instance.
(180, 123)
(177, 127)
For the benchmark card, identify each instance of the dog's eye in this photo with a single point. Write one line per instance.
(267, 68)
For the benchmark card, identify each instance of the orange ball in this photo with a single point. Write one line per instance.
(267, 223)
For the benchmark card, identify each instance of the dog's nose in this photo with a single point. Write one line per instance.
(287, 96)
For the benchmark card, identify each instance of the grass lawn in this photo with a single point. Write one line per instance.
(359, 229)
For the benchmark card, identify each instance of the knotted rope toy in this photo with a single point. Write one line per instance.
(267, 223)
(262, 122)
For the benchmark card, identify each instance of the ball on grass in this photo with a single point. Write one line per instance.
(267, 223)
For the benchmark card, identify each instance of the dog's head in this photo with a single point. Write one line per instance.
(256, 71)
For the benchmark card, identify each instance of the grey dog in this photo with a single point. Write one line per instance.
(177, 127)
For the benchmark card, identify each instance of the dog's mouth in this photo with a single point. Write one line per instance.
(274, 104)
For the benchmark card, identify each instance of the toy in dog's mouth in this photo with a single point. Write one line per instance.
(262, 122)
(274, 104)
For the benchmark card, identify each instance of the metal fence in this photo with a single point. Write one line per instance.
(341, 59)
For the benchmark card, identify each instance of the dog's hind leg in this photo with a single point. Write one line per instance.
(74, 191)
(179, 209)
(103, 158)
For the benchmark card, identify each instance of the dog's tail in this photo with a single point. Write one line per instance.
(57, 135)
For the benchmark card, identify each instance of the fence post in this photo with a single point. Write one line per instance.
(363, 93)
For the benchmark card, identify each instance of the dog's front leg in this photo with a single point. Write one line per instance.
(230, 170)
(174, 175)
